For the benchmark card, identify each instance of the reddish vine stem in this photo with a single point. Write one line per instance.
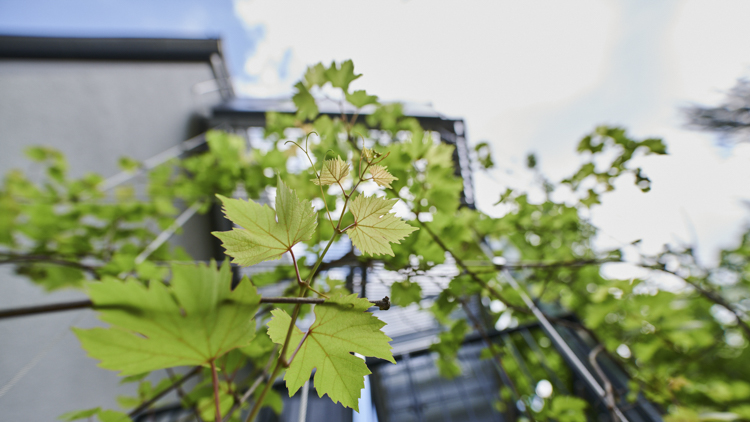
(291, 358)
(215, 380)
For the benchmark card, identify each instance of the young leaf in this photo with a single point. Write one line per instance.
(374, 227)
(79, 414)
(381, 176)
(341, 326)
(334, 171)
(370, 155)
(341, 77)
(195, 320)
(315, 75)
(262, 238)
(307, 109)
(360, 98)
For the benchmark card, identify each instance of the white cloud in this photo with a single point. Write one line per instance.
(537, 75)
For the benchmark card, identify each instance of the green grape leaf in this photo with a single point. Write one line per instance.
(341, 77)
(370, 155)
(128, 164)
(79, 414)
(195, 320)
(374, 227)
(381, 176)
(307, 109)
(334, 171)
(112, 416)
(315, 75)
(262, 238)
(405, 293)
(360, 98)
(568, 409)
(341, 326)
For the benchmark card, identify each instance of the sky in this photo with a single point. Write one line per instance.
(531, 76)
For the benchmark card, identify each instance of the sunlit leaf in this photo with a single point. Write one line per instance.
(375, 228)
(261, 237)
(342, 326)
(381, 176)
(334, 171)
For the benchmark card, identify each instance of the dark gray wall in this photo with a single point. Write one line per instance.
(94, 112)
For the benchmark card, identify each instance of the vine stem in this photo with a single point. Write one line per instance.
(215, 379)
(466, 269)
(285, 346)
(383, 304)
(299, 278)
(14, 258)
(291, 358)
(711, 296)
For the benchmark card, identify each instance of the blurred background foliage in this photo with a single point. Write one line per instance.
(679, 329)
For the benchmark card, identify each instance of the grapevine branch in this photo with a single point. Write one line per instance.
(468, 271)
(710, 295)
(12, 258)
(145, 405)
(383, 304)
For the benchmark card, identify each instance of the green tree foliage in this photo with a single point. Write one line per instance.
(684, 348)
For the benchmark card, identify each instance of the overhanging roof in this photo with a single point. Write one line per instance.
(252, 112)
(182, 50)
(139, 49)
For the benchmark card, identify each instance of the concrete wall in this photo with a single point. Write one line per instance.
(94, 112)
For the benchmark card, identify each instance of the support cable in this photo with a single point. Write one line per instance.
(166, 234)
(38, 357)
(152, 162)
(562, 345)
(303, 402)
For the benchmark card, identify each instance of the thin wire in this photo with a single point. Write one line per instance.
(560, 342)
(154, 161)
(39, 356)
(166, 234)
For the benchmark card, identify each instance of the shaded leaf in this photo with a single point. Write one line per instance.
(307, 109)
(195, 320)
(78, 414)
(405, 293)
(360, 98)
(341, 76)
